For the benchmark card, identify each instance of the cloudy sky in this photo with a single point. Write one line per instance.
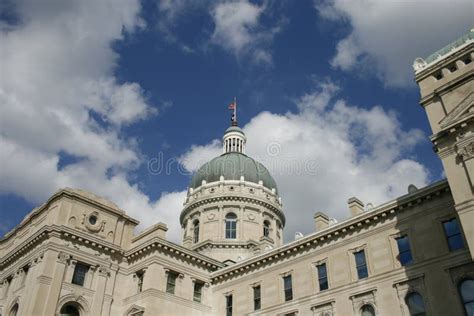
(126, 98)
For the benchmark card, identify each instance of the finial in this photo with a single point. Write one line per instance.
(233, 106)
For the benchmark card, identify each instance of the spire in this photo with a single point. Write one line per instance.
(234, 138)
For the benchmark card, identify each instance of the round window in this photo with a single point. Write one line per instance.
(92, 219)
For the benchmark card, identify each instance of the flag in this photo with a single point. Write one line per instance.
(232, 106)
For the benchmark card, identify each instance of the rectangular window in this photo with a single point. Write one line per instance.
(361, 264)
(139, 275)
(171, 282)
(453, 234)
(322, 277)
(404, 251)
(80, 272)
(257, 300)
(228, 305)
(230, 229)
(198, 291)
(288, 288)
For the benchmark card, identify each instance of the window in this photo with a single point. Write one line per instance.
(439, 75)
(467, 60)
(69, 310)
(196, 231)
(257, 298)
(80, 272)
(415, 304)
(453, 234)
(197, 296)
(140, 276)
(466, 290)
(266, 228)
(171, 282)
(228, 305)
(288, 288)
(322, 277)
(25, 274)
(231, 226)
(367, 310)
(404, 252)
(361, 264)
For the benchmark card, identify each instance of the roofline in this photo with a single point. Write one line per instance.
(71, 193)
(389, 207)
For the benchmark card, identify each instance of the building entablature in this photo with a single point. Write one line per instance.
(233, 191)
(440, 59)
(64, 233)
(180, 252)
(337, 231)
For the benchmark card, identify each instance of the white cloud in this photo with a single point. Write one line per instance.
(388, 35)
(57, 81)
(238, 27)
(327, 152)
(239, 31)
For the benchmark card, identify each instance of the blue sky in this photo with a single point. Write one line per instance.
(92, 91)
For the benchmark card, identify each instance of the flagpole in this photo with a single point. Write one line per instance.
(235, 109)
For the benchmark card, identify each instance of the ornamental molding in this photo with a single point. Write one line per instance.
(189, 208)
(340, 230)
(463, 110)
(466, 151)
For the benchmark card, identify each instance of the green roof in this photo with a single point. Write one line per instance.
(443, 51)
(232, 166)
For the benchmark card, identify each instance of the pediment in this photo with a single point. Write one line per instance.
(464, 110)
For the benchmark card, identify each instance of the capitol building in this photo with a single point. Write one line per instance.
(79, 254)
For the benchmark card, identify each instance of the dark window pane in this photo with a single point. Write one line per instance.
(453, 234)
(80, 272)
(171, 282)
(367, 310)
(404, 250)
(415, 304)
(228, 305)
(198, 291)
(256, 298)
(288, 287)
(361, 264)
(322, 277)
(466, 290)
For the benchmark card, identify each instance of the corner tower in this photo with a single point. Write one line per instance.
(232, 210)
(446, 86)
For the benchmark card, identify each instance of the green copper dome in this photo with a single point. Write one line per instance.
(232, 166)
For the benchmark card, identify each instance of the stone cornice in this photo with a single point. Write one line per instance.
(189, 208)
(225, 243)
(336, 231)
(74, 195)
(446, 87)
(173, 249)
(442, 61)
(62, 232)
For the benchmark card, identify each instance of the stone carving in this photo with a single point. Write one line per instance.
(419, 64)
(92, 222)
(63, 257)
(211, 216)
(104, 271)
(251, 217)
(467, 152)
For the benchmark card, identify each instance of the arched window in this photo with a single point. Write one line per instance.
(196, 231)
(231, 226)
(367, 310)
(14, 310)
(70, 309)
(415, 304)
(266, 228)
(466, 290)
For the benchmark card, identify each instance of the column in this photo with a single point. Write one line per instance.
(56, 284)
(103, 273)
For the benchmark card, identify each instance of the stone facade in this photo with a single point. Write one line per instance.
(77, 254)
